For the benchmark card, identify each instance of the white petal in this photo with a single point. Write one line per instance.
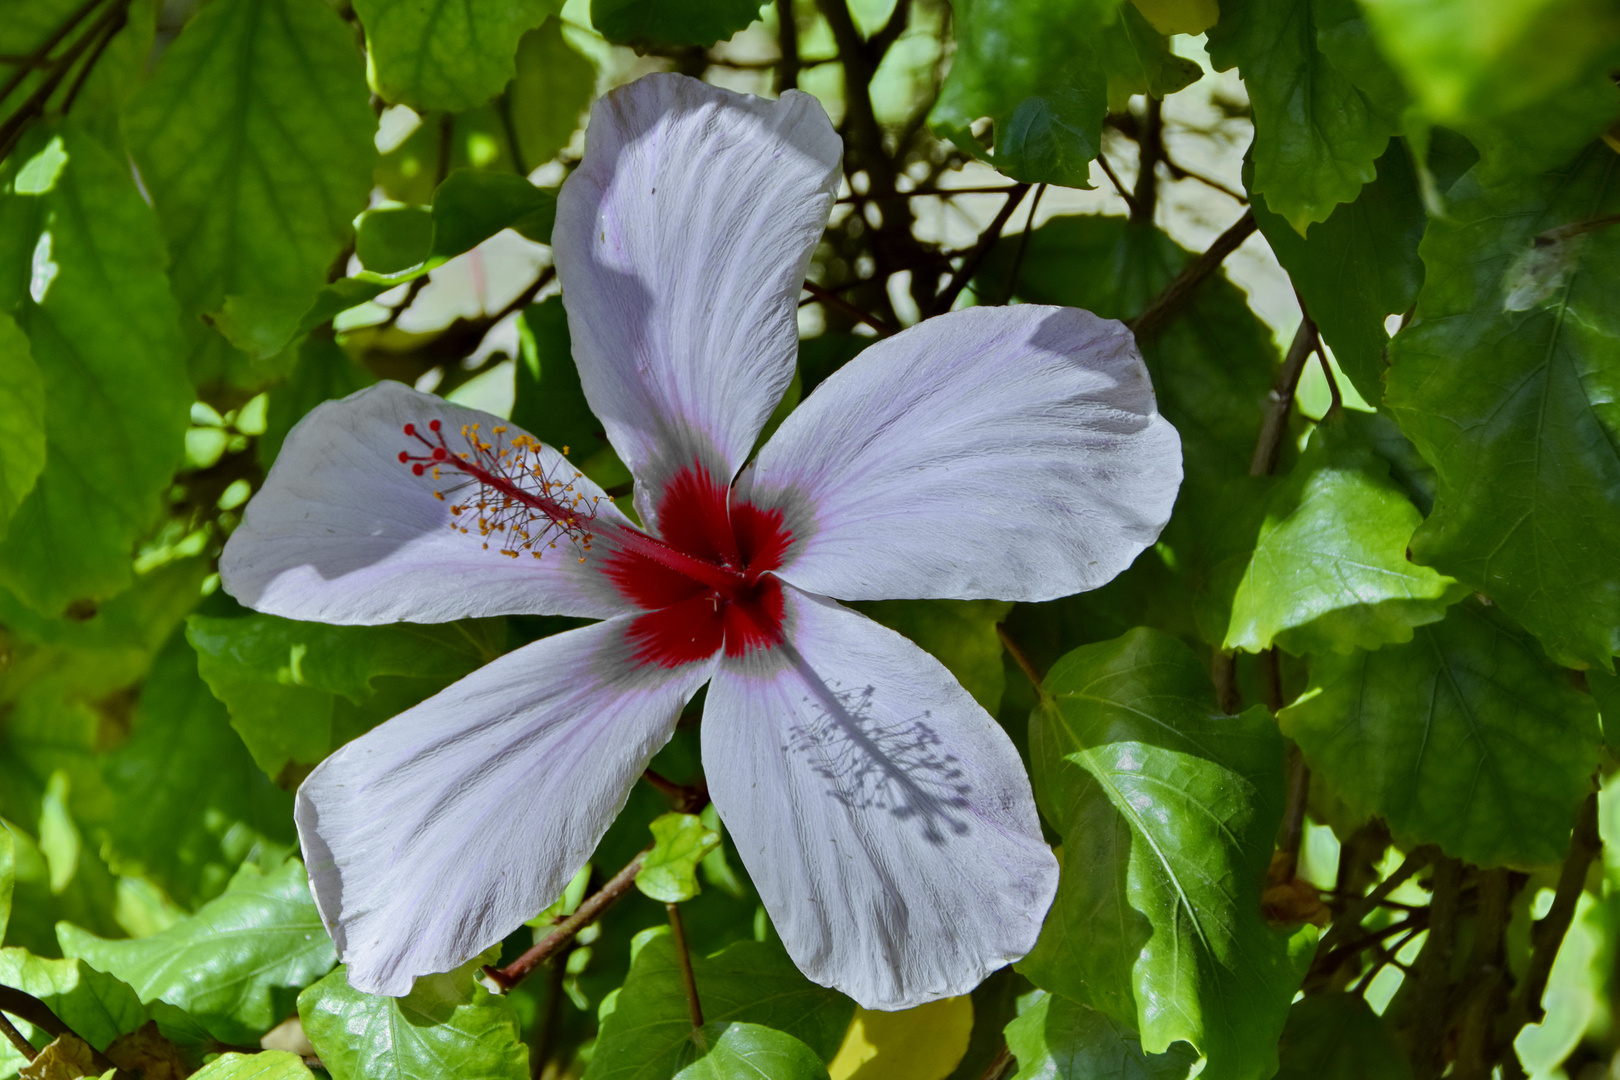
(432, 837)
(884, 816)
(343, 532)
(1013, 453)
(681, 242)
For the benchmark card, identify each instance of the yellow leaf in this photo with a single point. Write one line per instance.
(925, 1043)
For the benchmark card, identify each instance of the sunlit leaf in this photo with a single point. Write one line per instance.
(1054, 1038)
(1168, 811)
(235, 964)
(1466, 737)
(549, 93)
(1508, 382)
(669, 872)
(265, 1065)
(738, 1051)
(445, 54)
(95, 1005)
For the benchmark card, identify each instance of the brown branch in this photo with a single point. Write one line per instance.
(1424, 1026)
(694, 1008)
(1168, 304)
(1019, 657)
(27, 1007)
(1584, 846)
(1356, 910)
(15, 1038)
(588, 912)
(787, 39)
(688, 800)
(1150, 151)
(827, 296)
(1023, 245)
(1292, 832)
(1280, 402)
(999, 1064)
(976, 256)
(943, 193)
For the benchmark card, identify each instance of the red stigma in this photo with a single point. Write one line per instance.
(410, 429)
(433, 426)
(405, 456)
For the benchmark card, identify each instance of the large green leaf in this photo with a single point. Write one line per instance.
(549, 93)
(665, 23)
(1508, 382)
(97, 1006)
(1466, 738)
(447, 1026)
(1316, 133)
(647, 1036)
(1168, 810)
(752, 1052)
(232, 965)
(446, 54)
(1054, 1038)
(254, 138)
(22, 420)
(1339, 1037)
(1330, 572)
(1527, 80)
(1138, 60)
(191, 804)
(82, 261)
(1358, 267)
(296, 691)
(265, 1065)
(1033, 69)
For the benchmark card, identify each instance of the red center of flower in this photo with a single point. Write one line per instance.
(705, 584)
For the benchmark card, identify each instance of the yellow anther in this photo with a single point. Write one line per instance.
(582, 558)
(438, 494)
(565, 451)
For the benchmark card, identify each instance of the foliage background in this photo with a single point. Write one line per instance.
(1326, 766)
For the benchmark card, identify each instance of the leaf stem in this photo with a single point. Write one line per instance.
(694, 1008)
(826, 296)
(588, 912)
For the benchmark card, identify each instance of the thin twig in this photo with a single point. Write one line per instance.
(688, 800)
(826, 296)
(1181, 173)
(587, 912)
(943, 192)
(1280, 402)
(1169, 303)
(37, 58)
(694, 1008)
(971, 262)
(107, 35)
(1023, 244)
(545, 1035)
(1019, 657)
(998, 1065)
(1293, 822)
(1336, 403)
(1357, 910)
(1119, 186)
(11, 131)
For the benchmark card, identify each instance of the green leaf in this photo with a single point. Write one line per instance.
(97, 1006)
(1168, 811)
(1358, 267)
(468, 208)
(1033, 69)
(264, 1065)
(1316, 134)
(647, 1036)
(323, 372)
(1466, 738)
(550, 92)
(103, 330)
(446, 54)
(1138, 60)
(1329, 572)
(680, 842)
(961, 634)
(1339, 1037)
(191, 804)
(1508, 382)
(1468, 63)
(1054, 1038)
(22, 420)
(752, 1052)
(8, 875)
(254, 137)
(664, 23)
(296, 691)
(231, 964)
(447, 1026)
